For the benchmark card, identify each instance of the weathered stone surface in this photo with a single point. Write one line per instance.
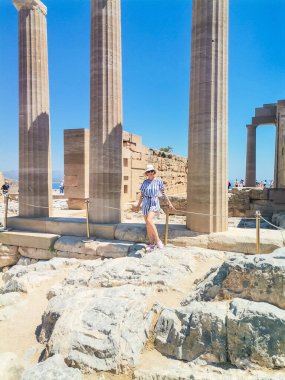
(258, 278)
(202, 373)
(106, 331)
(9, 303)
(239, 240)
(25, 278)
(36, 253)
(162, 269)
(26, 261)
(279, 220)
(244, 333)
(28, 239)
(10, 368)
(197, 331)
(8, 255)
(51, 369)
(256, 334)
(6, 261)
(97, 248)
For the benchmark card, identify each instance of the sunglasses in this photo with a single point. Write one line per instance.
(150, 171)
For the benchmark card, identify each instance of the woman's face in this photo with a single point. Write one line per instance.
(150, 174)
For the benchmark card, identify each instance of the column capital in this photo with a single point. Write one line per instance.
(251, 126)
(30, 4)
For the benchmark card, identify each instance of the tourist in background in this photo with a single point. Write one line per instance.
(61, 187)
(150, 189)
(5, 188)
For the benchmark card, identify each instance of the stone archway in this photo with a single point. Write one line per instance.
(269, 114)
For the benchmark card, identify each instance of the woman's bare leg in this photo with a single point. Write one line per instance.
(152, 226)
(149, 231)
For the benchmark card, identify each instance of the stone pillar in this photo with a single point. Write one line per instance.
(250, 176)
(279, 172)
(105, 112)
(76, 167)
(35, 182)
(208, 123)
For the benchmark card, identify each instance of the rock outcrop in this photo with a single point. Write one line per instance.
(259, 278)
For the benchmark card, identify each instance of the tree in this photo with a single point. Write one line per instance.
(167, 149)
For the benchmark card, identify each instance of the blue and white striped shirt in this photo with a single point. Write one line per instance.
(150, 191)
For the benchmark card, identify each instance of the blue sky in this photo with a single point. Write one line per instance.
(156, 73)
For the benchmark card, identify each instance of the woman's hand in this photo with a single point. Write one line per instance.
(170, 205)
(136, 208)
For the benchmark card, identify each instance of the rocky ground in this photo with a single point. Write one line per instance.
(175, 313)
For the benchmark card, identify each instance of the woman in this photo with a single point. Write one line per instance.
(150, 189)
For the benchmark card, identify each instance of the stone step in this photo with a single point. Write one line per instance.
(73, 246)
(28, 239)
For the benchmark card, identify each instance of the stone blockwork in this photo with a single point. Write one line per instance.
(171, 168)
(76, 167)
(245, 201)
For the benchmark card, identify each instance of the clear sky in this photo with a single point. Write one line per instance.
(156, 73)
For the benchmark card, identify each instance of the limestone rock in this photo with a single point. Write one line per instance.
(162, 269)
(197, 331)
(8, 255)
(244, 333)
(51, 369)
(23, 278)
(259, 278)
(74, 246)
(36, 253)
(98, 329)
(256, 334)
(10, 367)
(239, 240)
(26, 261)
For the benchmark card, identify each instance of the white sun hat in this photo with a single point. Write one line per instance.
(149, 167)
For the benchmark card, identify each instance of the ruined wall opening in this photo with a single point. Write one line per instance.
(265, 152)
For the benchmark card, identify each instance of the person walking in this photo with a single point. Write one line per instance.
(150, 189)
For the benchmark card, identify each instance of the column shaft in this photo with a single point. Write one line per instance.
(35, 181)
(208, 122)
(105, 112)
(250, 177)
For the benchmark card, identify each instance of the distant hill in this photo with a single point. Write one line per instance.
(57, 175)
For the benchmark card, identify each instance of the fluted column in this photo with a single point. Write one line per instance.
(250, 176)
(35, 182)
(208, 122)
(106, 112)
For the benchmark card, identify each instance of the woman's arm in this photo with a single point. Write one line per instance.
(137, 208)
(165, 196)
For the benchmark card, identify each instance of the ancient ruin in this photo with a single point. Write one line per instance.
(76, 167)
(269, 114)
(206, 306)
(208, 123)
(35, 182)
(105, 112)
(170, 167)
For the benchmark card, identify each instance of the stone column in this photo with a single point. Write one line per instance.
(250, 177)
(279, 172)
(35, 182)
(105, 112)
(208, 122)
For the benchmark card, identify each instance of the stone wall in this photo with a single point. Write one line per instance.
(170, 167)
(246, 201)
